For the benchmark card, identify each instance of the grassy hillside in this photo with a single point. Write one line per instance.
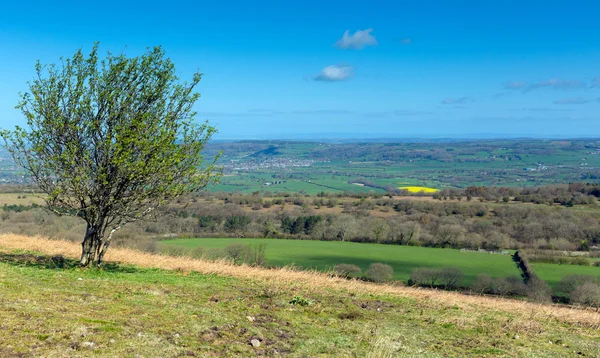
(155, 306)
(324, 255)
(553, 273)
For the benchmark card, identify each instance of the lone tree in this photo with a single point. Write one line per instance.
(109, 141)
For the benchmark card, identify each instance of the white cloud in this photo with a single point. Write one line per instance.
(357, 41)
(334, 73)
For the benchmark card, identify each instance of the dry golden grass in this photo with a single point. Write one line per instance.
(21, 199)
(525, 313)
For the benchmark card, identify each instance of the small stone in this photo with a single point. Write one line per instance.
(250, 318)
(140, 334)
(176, 335)
(88, 344)
(255, 343)
(79, 279)
(112, 340)
(516, 336)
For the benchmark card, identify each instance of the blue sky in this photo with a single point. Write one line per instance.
(318, 68)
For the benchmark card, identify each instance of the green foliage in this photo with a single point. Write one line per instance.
(253, 255)
(110, 140)
(300, 301)
(237, 223)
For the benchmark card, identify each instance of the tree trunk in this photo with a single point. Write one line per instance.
(89, 246)
(102, 251)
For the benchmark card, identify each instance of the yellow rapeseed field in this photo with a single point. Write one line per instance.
(417, 189)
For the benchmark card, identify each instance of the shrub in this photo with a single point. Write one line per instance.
(538, 291)
(172, 250)
(347, 270)
(236, 252)
(256, 255)
(509, 286)
(450, 277)
(379, 272)
(482, 284)
(587, 294)
(423, 276)
(569, 283)
(300, 301)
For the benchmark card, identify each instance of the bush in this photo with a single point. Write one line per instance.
(570, 283)
(423, 276)
(450, 277)
(347, 270)
(379, 272)
(482, 284)
(256, 255)
(236, 252)
(509, 286)
(587, 294)
(172, 250)
(538, 291)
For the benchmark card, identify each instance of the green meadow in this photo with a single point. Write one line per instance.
(553, 273)
(324, 255)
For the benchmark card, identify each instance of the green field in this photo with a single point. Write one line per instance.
(324, 255)
(553, 273)
(128, 311)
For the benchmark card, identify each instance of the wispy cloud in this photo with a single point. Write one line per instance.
(556, 83)
(572, 100)
(334, 73)
(323, 111)
(459, 100)
(357, 41)
(515, 85)
(596, 82)
(502, 94)
(553, 83)
(405, 41)
(542, 109)
(396, 113)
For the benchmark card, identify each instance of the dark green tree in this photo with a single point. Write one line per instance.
(110, 140)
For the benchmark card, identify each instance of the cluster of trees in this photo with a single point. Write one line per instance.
(470, 225)
(563, 194)
(467, 225)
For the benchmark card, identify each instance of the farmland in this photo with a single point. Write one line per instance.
(553, 273)
(324, 255)
(312, 167)
(376, 166)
